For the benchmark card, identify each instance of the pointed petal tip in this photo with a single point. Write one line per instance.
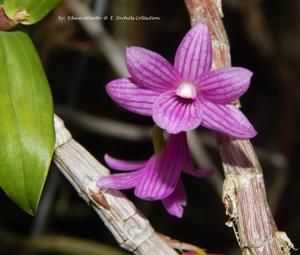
(133, 53)
(247, 71)
(254, 133)
(177, 214)
(105, 182)
(150, 70)
(123, 165)
(227, 119)
(249, 131)
(99, 182)
(119, 181)
(247, 134)
(107, 158)
(108, 87)
(251, 134)
(175, 210)
(175, 203)
(244, 73)
(194, 54)
(131, 96)
(132, 50)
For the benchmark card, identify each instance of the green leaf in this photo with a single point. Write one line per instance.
(26, 121)
(36, 9)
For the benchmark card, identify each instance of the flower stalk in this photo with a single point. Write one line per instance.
(157, 139)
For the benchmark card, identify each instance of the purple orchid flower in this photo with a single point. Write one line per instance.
(157, 178)
(188, 94)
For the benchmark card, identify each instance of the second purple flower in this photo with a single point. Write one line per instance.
(157, 178)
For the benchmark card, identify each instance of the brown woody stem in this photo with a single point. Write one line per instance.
(244, 192)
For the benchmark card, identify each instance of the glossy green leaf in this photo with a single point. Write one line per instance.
(26, 121)
(36, 9)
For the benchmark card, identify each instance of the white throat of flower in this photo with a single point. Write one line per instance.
(186, 90)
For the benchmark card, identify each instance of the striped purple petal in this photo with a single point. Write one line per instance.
(227, 119)
(176, 114)
(225, 85)
(131, 97)
(191, 169)
(150, 70)
(162, 172)
(189, 166)
(123, 165)
(176, 201)
(119, 181)
(194, 54)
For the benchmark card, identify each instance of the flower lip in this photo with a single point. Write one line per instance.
(186, 90)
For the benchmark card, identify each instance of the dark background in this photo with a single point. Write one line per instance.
(264, 37)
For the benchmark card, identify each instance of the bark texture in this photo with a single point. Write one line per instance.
(244, 193)
(129, 226)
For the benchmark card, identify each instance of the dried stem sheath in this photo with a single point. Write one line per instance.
(244, 192)
(130, 228)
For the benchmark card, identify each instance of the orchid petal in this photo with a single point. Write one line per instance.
(225, 85)
(194, 54)
(189, 166)
(191, 169)
(123, 165)
(176, 114)
(150, 70)
(175, 202)
(162, 172)
(119, 181)
(131, 97)
(227, 119)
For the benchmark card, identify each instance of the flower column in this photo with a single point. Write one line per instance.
(244, 191)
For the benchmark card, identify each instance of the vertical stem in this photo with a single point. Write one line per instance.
(157, 139)
(244, 193)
